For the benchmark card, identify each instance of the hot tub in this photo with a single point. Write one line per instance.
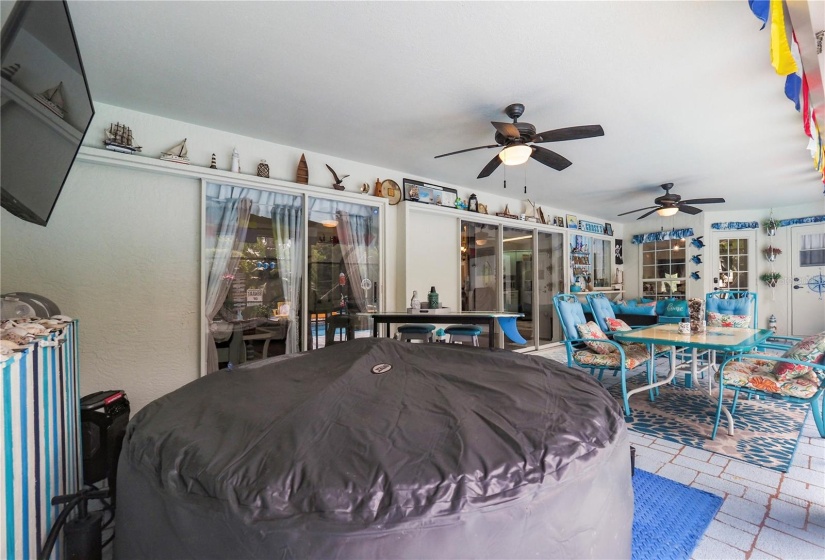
(379, 449)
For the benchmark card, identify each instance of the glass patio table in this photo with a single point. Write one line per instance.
(711, 340)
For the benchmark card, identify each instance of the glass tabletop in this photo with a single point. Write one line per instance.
(714, 338)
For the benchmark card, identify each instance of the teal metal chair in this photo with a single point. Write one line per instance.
(571, 314)
(733, 302)
(746, 373)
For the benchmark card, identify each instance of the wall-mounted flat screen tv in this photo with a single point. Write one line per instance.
(46, 107)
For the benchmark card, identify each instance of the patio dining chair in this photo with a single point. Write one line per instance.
(797, 376)
(731, 308)
(580, 349)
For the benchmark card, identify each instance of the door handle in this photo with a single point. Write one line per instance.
(798, 287)
(796, 279)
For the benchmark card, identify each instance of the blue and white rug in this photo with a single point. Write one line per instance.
(766, 432)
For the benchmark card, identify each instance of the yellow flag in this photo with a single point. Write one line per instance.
(781, 57)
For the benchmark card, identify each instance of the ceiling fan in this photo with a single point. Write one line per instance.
(516, 139)
(669, 204)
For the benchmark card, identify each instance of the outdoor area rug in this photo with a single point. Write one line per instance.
(766, 432)
(669, 518)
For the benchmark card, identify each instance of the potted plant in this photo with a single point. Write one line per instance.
(771, 225)
(771, 252)
(770, 278)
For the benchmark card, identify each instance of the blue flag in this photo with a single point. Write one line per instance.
(761, 9)
(793, 85)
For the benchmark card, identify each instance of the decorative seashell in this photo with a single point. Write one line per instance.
(18, 336)
(8, 346)
(62, 318)
(34, 328)
(51, 323)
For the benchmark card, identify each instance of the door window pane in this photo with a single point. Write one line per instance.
(478, 266)
(733, 273)
(253, 264)
(343, 270)
(517, 265)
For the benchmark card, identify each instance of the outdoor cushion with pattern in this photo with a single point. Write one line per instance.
(727, 320)
(616, 325)
(592, 330)
(635, 355)
(758, 374)
(809, 349)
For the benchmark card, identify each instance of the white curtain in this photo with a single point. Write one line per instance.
(226, 223)
(288, 232)
(354, 236)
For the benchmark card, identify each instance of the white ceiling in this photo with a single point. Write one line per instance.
(684, 90)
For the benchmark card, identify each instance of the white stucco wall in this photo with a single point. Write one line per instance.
(122, 250)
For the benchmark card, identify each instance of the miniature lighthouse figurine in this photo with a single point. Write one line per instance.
(772, 322)
(236, 161)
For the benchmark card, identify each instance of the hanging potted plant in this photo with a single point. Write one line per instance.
(771, 225)
(770, 278)
(771, 253)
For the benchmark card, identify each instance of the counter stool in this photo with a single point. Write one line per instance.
(417, 331)
(463, 333)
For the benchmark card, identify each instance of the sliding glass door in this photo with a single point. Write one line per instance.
(550, 271)
(285, 272)
(343, 270)
(517, 288)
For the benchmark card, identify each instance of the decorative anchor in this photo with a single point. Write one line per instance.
(337, 184)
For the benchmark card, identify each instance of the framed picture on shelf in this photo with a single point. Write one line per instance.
(608, 229)
(558, 221)
(425, 195)
(448, 197)
(412, 190)
(618, 252)
(572, 222)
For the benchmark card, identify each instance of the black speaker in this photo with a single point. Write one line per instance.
(103, 419)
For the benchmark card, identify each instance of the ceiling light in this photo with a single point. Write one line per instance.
(329, 223)
(515, 155)
(667, 211)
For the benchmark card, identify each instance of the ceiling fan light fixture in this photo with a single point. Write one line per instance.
(515, 155)
(667, 211)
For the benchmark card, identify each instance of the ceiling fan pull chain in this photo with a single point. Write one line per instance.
(525, 179)
(505, 176)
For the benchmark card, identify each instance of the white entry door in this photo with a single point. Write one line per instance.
(808, 275)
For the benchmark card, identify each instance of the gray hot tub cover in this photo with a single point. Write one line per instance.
(379, 449)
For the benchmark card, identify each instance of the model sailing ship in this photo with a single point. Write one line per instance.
(177, 153)
(119, 139)
(52, 99)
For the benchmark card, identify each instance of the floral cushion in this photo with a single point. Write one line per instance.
(807, 350)
(758, 374)
(617, 325)
(635, 355)
(592, 330)
(727, 320)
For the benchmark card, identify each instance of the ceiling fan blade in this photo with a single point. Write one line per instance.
(468, 150)
(490, 167)
(550, 159)
(689, 209)
(646, 214)
(507, 129)
(570, 133)
(638, 210)
(703, 201)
